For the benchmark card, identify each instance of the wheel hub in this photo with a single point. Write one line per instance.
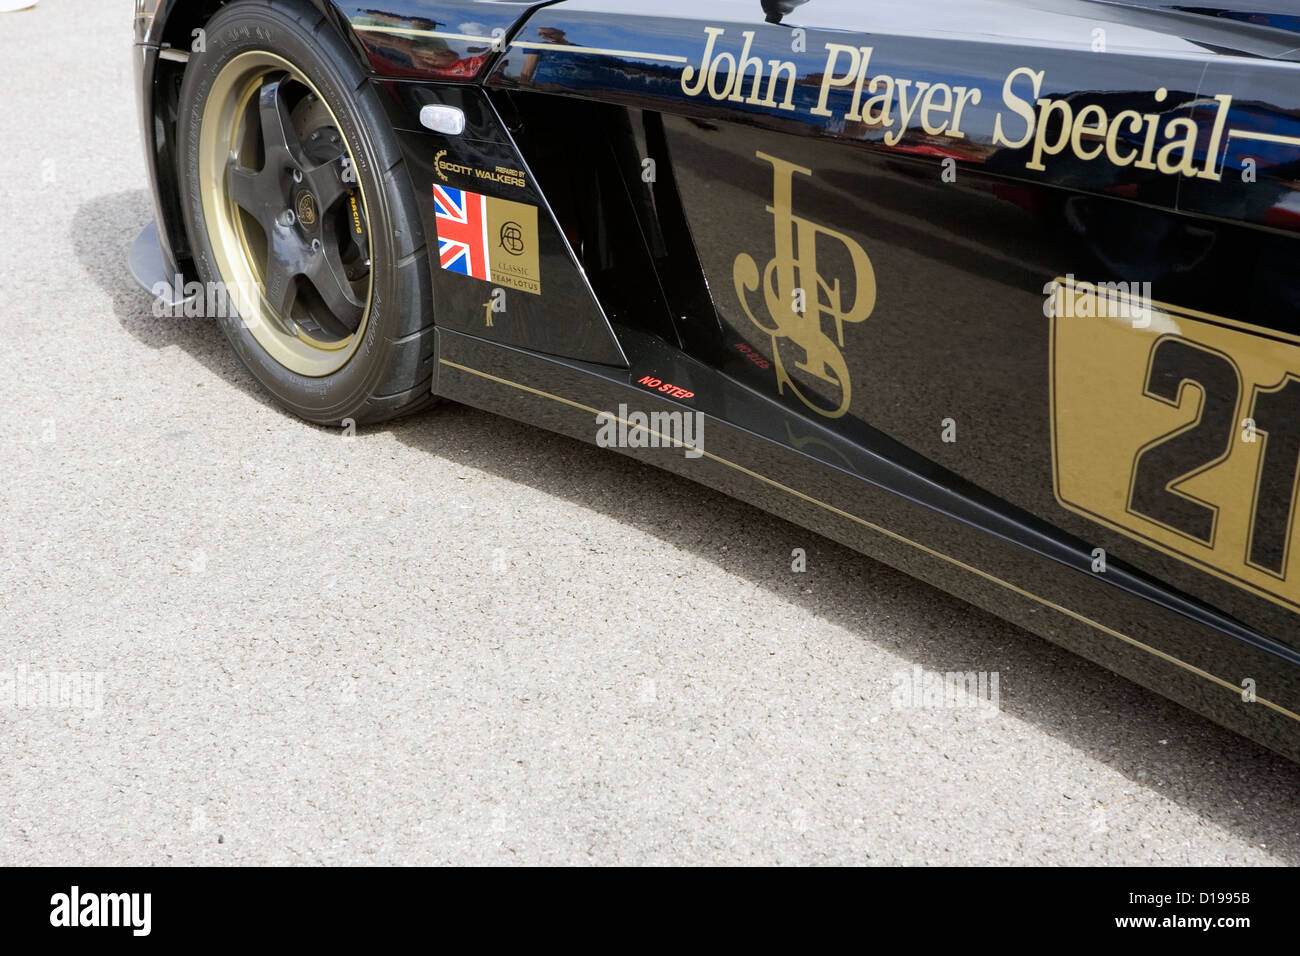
(305, 207)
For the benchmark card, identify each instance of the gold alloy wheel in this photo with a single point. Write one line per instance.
(285, 213)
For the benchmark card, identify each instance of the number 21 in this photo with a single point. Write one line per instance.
(1193, 449)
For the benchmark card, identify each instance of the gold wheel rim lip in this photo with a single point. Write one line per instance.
(221, 126)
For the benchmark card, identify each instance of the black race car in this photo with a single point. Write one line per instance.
(1002, 293)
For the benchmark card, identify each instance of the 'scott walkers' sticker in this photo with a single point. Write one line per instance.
(487, 238)
(1181, 430)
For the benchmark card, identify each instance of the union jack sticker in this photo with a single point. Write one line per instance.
(487, 238)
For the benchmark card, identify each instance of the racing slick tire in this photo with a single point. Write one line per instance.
(302, 219)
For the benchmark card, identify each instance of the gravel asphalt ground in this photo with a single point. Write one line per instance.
(461, 639)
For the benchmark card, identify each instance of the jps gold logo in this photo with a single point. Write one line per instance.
(798, 298)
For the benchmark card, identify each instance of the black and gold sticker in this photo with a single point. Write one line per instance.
(512, 245)
(1181, 430)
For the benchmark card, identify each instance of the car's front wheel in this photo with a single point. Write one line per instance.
(302, 220)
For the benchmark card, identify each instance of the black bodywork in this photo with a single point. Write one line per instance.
(693, 164)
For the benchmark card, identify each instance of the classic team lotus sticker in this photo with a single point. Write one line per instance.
(487, 238)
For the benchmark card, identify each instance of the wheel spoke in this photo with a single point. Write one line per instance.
(330, 180)
(327, 274)
(246, 190)
(279, 138)
(281, 289)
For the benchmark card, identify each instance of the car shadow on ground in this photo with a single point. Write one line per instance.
(103, 253)
(1229, 781)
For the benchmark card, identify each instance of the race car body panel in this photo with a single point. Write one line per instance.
(1000, 293)
(494, 222)
(432, 39)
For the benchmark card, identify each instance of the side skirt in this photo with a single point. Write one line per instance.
(950, 536)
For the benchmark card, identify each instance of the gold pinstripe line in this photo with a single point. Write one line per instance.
(1266, 137)
(1169, 658)
(569, 47)
(404, 32)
